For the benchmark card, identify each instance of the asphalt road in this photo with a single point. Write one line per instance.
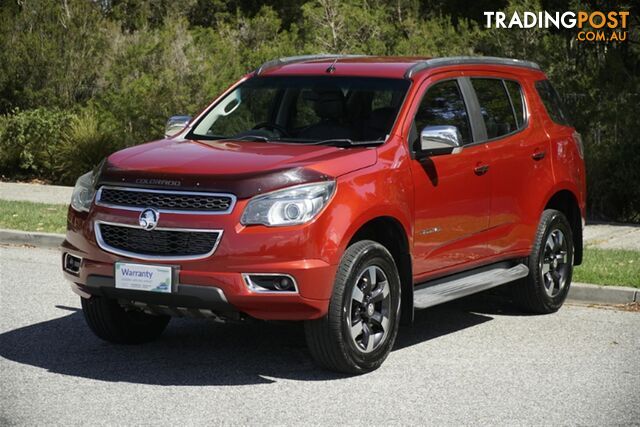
(472, 362)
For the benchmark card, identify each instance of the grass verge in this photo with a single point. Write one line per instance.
(609, 267)
(30, 216)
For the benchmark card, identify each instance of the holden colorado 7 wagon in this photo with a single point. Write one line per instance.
(342, 191)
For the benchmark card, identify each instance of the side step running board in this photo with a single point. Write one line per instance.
(463, 284)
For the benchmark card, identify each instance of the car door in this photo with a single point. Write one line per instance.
(519, 166)
(452, 193)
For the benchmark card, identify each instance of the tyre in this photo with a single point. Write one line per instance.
(111, 322)
(361, 324)
(550, 266)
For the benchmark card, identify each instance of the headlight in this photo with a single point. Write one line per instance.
(293, 205)
(83, 193)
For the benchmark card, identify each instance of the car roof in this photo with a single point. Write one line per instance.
(379, 66)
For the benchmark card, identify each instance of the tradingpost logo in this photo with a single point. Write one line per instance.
(592, 26)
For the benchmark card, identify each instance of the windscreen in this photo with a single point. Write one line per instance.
(305, 109)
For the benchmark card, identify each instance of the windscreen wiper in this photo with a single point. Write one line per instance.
(255, 138)
(258, 138)
(346, 142)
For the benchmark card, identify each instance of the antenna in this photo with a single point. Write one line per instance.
(332, 67)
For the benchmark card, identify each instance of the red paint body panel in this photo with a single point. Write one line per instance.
(479, 219)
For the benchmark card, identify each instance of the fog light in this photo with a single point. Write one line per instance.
(276, 283)
(71, 263)
(283, 284)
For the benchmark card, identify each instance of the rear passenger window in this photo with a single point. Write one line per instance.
(551, 101)
(517, 101)
(443, 106)
(495, 107)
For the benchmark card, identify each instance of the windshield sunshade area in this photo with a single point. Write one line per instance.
(305, 109)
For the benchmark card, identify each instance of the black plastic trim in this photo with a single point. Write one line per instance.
(301, 58)
(468, 60)
(478, 128)
(188, 296)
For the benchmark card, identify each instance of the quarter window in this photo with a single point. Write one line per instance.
(443, 105)
(495, 107)
(551, 101)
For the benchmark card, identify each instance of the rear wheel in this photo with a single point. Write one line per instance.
(111, 322)
(361, 325)
(550, 265)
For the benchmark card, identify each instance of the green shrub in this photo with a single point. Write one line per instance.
(83, 145)
(53, 145)
(3, 124)
(613, 177)
(101, 75)
(29, 142)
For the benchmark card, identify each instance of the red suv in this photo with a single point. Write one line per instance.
(342, 191)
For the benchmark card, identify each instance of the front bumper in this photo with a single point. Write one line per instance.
(223, 292)
(304, 252)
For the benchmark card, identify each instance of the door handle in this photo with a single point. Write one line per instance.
(538, 155)
(481, 169)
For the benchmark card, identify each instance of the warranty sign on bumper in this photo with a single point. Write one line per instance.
(143, 277)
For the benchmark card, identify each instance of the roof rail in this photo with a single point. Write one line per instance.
(300, 58)
(460, 60)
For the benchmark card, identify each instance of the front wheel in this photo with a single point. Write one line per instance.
(361, 325)
(550, 265)
(111, 322)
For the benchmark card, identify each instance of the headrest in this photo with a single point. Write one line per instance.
(329, 103)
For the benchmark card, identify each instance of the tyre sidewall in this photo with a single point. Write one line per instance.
(555, 220)
(111, 322)
(374, 254)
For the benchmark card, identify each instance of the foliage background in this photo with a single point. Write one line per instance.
(82, 78)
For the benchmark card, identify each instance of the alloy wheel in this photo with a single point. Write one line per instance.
(554, 265)
(369, 309)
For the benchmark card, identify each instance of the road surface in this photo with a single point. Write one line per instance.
(473, 362)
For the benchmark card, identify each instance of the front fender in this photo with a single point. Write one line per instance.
(366, 195)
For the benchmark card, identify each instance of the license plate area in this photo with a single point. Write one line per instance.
(145, 277)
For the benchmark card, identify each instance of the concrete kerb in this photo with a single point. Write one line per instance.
(587, 293)
(44, 240)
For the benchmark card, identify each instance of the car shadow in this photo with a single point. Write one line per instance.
(196, 352)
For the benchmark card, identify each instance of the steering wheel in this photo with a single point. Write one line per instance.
(269, 125)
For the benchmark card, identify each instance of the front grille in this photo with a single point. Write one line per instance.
(162, 200)
(156, 243)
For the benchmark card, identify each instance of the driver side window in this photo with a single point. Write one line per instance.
(443, 105)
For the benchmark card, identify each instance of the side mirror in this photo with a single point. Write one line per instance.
(175, 124)
(437, 140)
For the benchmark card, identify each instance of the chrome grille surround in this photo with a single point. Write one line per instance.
(154, 256)
(165, 201)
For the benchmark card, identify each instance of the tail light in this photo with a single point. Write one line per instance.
(578, 139)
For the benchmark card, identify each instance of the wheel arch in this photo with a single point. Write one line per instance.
(392, 234)
(565, 201)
